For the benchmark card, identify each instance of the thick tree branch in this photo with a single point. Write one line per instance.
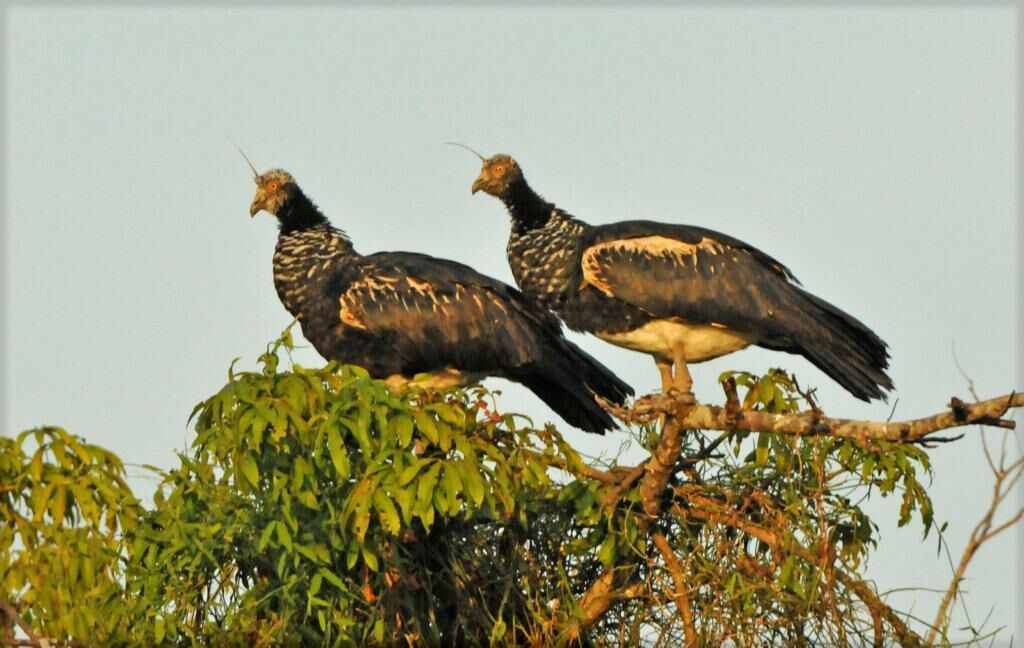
(682, 593)
(599, 597)
(713, 417)
(660, 466)
(653, 474)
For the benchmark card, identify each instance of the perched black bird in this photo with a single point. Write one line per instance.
(678, 292)
(399, 314)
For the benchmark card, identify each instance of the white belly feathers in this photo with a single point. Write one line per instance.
(700, 342)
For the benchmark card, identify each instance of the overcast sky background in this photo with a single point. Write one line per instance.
(870, 150)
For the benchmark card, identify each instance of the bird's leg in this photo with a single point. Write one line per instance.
(665, 367)
(682, 382)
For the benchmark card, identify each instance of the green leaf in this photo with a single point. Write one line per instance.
(425, 488)
(315, 583)
(35, 469)
(265, 536)
(250, 469)
(370, 559)
(473, 482)
(359, 501)
(386, 512)
(426, 424)
(332, 578)
(411, 471)
(283, 536)
(606, 552)
(309, 500)
(403, 427)
(498, 632)
(339, 455)
(761, 453)
(404, 498)
(451, 484)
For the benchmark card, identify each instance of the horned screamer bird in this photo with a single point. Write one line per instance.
(680, 293)
(399, 314)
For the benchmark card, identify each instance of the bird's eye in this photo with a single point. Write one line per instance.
(272, 186)
(499, 169)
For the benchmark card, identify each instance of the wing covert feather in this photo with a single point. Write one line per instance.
(701, 280)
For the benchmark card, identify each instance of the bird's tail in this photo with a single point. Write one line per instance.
(845, 349)
(567, 379)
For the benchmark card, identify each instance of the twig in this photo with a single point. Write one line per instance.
(33, 639)
(1006, 479)
(904, 635)
(970, 382)
(702, 507)
(583, 470)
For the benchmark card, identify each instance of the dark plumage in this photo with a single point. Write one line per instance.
(399, 314)
(678, 292)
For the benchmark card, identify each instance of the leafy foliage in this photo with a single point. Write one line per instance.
(317, 507)
(62, 508)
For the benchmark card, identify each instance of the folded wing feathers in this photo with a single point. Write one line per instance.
(706, 279)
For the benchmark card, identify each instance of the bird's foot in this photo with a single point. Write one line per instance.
(733, 409)
(682, 400)
(648, 402)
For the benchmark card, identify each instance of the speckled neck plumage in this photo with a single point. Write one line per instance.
(544, 247)
(309, 250)
(545, 250)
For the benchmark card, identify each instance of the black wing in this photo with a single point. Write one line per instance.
(701, 276)
(436, 313)
(687, 272)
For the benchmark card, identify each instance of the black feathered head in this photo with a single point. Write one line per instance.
(273, 190)
(498, 174)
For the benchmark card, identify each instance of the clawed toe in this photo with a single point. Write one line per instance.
(684, 397)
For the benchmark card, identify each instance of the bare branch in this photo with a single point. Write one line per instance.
(713, 417)
(1006, 478)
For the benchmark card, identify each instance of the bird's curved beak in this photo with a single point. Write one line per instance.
(257, 203)
(480, 181)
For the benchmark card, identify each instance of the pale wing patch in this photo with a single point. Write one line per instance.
(350, 313)
(655, 246)
(419, 285)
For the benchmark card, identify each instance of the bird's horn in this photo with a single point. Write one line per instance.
(468, 149)
(255, 173)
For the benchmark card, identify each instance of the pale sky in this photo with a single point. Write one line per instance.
(870, 150)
